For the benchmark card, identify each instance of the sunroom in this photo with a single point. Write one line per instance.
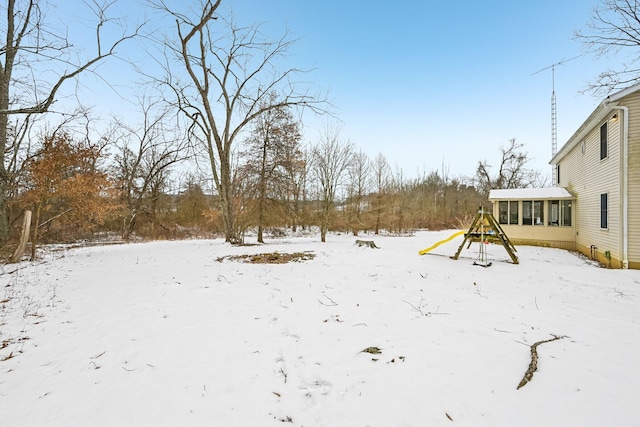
(536, 216)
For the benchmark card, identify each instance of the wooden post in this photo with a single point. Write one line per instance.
(24, 238)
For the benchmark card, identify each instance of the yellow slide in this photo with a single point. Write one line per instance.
(448, 239)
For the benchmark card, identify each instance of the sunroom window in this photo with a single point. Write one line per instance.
(554, 212)
(538, 212)
(566, 212)
(503, 212)
(513, 212)
(508, 212)
(527, 213)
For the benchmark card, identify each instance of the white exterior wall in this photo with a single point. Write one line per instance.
(633, 102)
(587, 177)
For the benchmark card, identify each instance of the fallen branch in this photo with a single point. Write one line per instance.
(332, 302)
(533, 366)
(98, 355)
(54, 217)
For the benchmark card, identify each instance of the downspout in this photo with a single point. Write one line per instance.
(625, 182)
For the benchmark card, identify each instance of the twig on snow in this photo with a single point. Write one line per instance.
(533, 366)
(332, 302)
(421, 305)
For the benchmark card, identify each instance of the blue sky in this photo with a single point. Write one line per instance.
(433, 83)
(428, 83)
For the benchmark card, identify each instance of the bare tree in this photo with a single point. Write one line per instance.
(401, 189)
(191, 203)
(32, 49)
(274, 139)
(381, 174)
(232, 70)
(614, 27)
(145, 154)
(330, 160)
(512, 170)
(359, 186)
(294, 174)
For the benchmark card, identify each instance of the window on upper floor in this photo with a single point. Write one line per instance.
(557, 174)
(603, 141)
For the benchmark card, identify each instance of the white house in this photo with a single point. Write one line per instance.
(595, 206)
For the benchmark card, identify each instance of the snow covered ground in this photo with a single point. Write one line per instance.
(164, 334)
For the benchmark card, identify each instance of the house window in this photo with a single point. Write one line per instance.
(554, 212)
(566, 213)
(560, 212)
(503, 212)
(527, 213)
(513, 212)
(604, 214)
(557, 174)
(603, 141)
(538, 212)
(508, 212)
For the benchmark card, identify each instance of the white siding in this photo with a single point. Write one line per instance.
(587, 177)
(633, 102)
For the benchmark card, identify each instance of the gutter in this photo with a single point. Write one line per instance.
(625, 179)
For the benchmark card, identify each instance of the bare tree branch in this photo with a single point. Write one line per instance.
(512, 170)
(231, 75)
(28, 47)
(613, 29)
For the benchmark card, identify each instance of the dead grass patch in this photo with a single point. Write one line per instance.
(271, 257)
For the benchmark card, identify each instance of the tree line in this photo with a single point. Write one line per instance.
(215, 146)
(144, 182)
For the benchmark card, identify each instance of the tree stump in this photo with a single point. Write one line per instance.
(24, 238)
(369, 243)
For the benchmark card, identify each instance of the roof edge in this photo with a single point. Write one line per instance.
(596, 116)
(599, 113)
(549, 193)
(622, 93)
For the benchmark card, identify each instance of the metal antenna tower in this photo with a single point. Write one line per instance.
(554, 116)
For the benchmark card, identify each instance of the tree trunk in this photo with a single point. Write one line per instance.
(4, 176)
(129, 226)
(34, 238)
(231, 234)
(24, 238)
(263, 188)
(4, 213)
(378, 214)
(324, 223)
